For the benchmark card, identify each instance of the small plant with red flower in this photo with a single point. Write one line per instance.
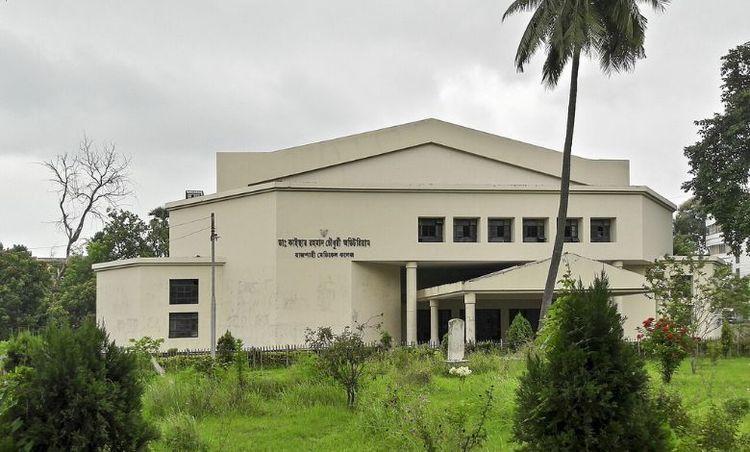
(667, 342)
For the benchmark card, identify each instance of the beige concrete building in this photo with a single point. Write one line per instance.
(417, 223)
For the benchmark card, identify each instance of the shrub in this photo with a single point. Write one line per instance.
(727, 339)
(144, 349)
(226, 348)
(409, 365)
(417, 373)
(714, 351)
(519, 332)
(403, 421)
(587, 389)
(342, 357)
(666, 341)
(668, 406)
(75, 391)
(17, 350)
(481, 363)
(180, 434)
(386, 340)
(485, 347)
(719, 428)
(201, 363)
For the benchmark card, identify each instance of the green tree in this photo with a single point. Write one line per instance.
(519, 332)
(689, 294)
(74, 298)
(76, 391)
(720, 160)
(341, 357)
(124, 236)
(614, 31)
(727, 338)
(158, 232)
(689, 229)
(587, 388)
(24, 284)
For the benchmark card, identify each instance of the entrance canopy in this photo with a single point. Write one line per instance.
(530, 278)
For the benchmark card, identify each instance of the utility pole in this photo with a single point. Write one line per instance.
(213, 286)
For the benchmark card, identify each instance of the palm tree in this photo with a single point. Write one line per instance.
(612, 30)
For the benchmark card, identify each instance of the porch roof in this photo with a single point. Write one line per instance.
(530, 278)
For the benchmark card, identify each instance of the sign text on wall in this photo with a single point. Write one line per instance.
(323, 248)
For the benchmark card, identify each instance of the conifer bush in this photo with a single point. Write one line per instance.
(519, 332)
(75, 390)
(586, 389)
(227, 347)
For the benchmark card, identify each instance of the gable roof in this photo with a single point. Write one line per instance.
(530, 278)
(240, 169)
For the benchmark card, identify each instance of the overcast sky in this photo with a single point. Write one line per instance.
(172, 82)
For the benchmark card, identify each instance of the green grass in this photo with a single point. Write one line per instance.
(293, 409)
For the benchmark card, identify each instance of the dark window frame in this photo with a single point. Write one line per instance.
(608, 236)
(536, 238)
(492, 236)
(466, 226)
(569, 224)
(439, 229)
(184, 291)
(182, 332)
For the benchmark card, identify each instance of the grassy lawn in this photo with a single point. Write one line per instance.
(292, 409)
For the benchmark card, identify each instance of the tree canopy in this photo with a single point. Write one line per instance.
(689, 229)
(720, 160)
(24, 283)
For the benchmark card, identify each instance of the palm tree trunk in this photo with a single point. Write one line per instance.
(562, 212)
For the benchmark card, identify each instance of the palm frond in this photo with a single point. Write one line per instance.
(658, 5)
(519, 6)
(533, 37)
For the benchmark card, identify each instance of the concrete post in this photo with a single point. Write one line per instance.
(434, 339)
(618, 300)
(470, 300)
(411, 303)
(504, 322)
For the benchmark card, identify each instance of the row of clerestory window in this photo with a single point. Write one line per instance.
(431, 229)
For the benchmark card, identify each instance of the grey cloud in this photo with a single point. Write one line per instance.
(172, 82)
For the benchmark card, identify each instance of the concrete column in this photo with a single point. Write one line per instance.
(434, 339)
(470, 301)
(618, 300)
(411, 303)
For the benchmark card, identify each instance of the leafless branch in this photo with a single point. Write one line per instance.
(87, 182)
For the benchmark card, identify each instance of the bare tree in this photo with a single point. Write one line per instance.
(87, 182)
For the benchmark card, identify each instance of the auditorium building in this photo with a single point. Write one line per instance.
(407, 226)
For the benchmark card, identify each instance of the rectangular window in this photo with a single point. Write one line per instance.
(533, 230)
(183, 291)
(465, 229)
(500, 229)
(571, 230)
(601, 229)
(183, 324)
(430, 229)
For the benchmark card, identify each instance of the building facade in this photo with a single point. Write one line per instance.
(407, 227)
(719, 249)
